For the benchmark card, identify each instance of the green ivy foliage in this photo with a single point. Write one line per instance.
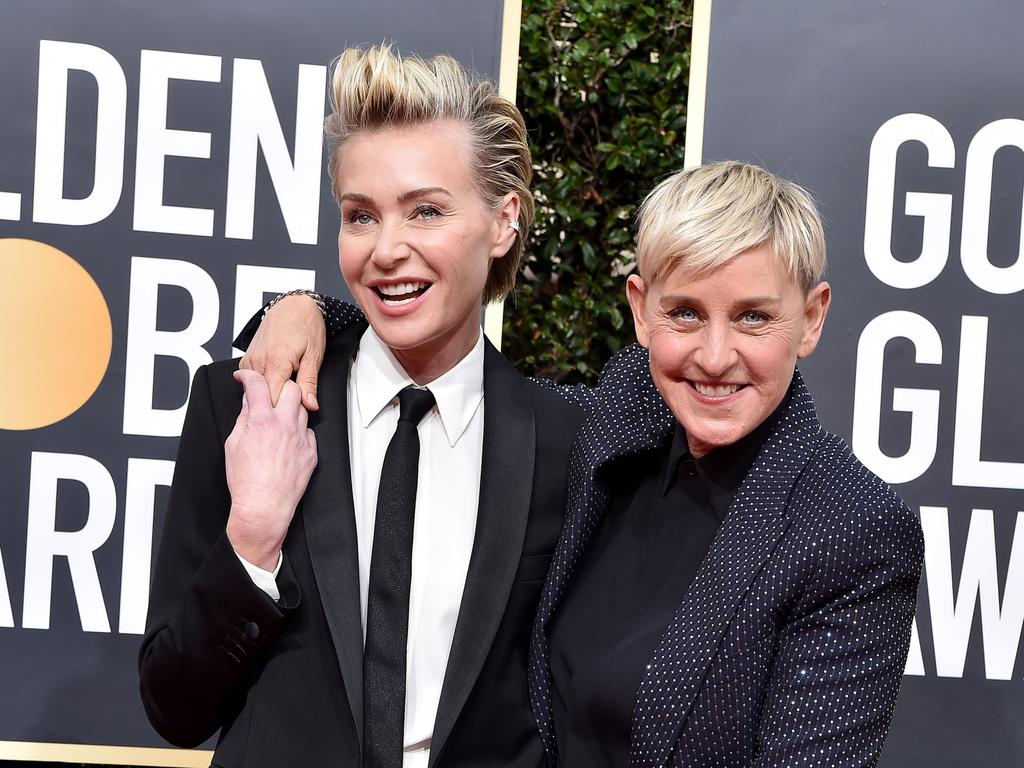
(602, 85)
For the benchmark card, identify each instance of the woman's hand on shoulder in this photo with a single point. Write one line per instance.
(291, 339)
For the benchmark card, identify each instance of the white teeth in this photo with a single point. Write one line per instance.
(408, 291)
(713, 391)
(400, 288)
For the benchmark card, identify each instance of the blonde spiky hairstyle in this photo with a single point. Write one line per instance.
(377, 88)
(704, 217)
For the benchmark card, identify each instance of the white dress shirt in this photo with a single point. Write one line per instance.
(447, 497)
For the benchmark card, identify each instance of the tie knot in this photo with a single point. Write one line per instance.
(413, 404)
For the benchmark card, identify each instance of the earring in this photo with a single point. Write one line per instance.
(514, 224)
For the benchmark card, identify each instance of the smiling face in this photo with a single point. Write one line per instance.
(417, 240)
(724, 344)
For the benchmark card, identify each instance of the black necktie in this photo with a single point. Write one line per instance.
(387, 605)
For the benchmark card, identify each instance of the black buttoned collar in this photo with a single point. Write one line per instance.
(722, 470)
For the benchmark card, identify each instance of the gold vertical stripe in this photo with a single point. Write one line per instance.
(508, 66)
(700, 43)
(508, 74)
(94, 753)
(493, 314)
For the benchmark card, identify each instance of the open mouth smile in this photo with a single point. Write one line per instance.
(397, 294)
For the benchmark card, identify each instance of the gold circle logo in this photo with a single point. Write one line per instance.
(55, 334)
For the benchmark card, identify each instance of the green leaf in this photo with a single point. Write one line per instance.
(616, 318)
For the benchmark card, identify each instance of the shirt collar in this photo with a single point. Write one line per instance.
(378, 377)
(724, 469)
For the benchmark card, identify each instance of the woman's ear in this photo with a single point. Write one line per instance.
(636, 294)
(506, 220)
(815, 310)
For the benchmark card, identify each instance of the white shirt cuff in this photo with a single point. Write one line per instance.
(265, 580)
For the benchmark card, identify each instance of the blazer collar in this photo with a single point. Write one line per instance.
(755, 523)
(329, 516)
(506, 487)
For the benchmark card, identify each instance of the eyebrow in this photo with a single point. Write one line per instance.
(422, 192)
(748, 301)
(405, 197)
(356, 197)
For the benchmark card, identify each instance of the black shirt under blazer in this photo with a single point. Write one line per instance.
(789, 647)
(283, 682)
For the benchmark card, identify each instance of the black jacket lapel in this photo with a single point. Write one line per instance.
(755, 523)
(329, 516)
(506, 486)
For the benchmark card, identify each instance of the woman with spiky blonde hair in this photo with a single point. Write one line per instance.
(375, 612)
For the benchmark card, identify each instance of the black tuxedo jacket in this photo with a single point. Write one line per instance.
(282, 682)
(789, 647)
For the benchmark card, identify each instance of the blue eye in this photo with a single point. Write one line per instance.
(428, 212)
(684, 313)
(754, 317)
(359, 217)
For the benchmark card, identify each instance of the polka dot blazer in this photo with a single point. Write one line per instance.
(789, 647)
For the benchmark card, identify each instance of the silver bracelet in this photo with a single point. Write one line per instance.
(316, 297)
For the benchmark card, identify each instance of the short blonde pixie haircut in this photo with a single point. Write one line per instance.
(377, 88)
(706, 216)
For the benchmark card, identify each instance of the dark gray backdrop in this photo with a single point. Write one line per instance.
(802, 88)
(64, 684)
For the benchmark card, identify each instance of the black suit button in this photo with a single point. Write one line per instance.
(252, 630)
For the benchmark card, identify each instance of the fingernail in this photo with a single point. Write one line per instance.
(311, 398)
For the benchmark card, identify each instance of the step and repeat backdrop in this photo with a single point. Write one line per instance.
(906, 120)
(161, 173)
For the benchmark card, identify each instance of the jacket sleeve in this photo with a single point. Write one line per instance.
(208, 625)
(624, 375)
(842, 655)
(579, 395)
(340, 315)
